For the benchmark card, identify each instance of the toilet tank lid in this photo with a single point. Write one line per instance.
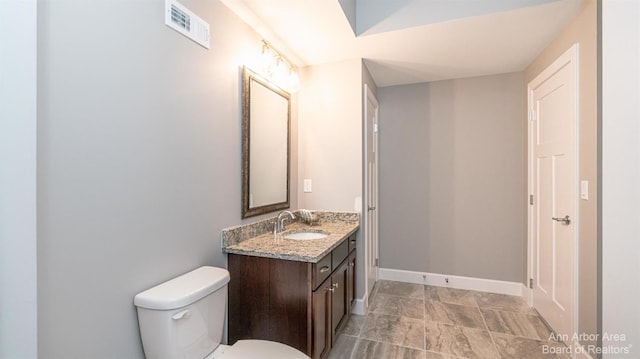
(183, 290)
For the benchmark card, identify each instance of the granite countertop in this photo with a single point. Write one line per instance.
(252, 240)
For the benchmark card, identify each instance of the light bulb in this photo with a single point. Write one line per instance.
(281, 75)
(294, 81)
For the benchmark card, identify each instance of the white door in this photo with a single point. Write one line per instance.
(371, 190)
(553, 185)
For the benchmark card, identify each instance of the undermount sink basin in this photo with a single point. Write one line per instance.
(305, 236)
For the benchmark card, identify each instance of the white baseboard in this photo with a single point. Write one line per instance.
(359, 307)
(458, 282)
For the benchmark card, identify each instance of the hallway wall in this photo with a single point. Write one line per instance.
(452, 177)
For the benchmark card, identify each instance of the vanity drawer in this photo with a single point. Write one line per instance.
(340, 253)
(321, 270)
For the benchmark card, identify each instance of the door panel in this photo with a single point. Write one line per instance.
(553, 182)
(544, 275)
(371, 191)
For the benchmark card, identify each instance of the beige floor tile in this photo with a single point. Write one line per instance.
(450, 295)
(517, 324)
(354, 325)
(503, 302)
(432, 355)
(460, 341)
(511, 347)
(400, 289)
(368, 349)
(412, 321)
(402, 331)
(343, 347)
(454, 314)
(399, 306)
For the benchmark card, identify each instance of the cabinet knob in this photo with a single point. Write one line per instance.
(324, 269)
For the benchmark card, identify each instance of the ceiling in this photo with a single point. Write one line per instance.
(411, 41)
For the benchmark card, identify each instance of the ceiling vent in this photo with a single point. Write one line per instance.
(185, 22)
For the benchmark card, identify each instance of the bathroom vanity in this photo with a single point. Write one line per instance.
(296, 292)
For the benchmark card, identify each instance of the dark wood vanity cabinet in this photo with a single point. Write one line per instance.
(321, 321)
(340, 305)
(300, 304)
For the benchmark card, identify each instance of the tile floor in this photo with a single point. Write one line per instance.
(415, 321)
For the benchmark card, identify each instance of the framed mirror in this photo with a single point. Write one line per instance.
(266, 112)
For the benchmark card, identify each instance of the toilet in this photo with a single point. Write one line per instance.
(184, 318)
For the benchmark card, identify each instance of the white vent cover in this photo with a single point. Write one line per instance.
(185, 22)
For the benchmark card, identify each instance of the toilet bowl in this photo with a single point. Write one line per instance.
(254, 349)
(184, 318)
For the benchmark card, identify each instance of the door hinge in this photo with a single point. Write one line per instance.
(531, 283)
(531, 115)
(531, 199)
(375, 127)
(377, 262)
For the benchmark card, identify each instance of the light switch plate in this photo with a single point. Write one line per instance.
(584, 190)
(308, 186)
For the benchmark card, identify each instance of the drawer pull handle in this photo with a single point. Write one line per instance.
(353, 241)
(324, 269)
(335, 285)
(331, 289)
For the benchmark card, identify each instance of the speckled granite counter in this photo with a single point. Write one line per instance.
(257, 239)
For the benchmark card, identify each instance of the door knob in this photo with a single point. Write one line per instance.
(565, 220)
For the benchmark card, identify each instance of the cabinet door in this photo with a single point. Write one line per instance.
(322, 320)
(339, 299)
(351, 281)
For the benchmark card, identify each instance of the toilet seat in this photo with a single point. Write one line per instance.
(263, 349)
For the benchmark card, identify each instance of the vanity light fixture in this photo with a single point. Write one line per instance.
(278, 69)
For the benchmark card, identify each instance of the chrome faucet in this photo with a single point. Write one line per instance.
(278, 226)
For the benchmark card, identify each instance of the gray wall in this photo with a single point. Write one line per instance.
(452, 178)
(138, 162)
(18, 285)
(583, 31)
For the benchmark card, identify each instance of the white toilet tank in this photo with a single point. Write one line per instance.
(184, 317)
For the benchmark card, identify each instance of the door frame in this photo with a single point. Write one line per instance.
(368, 95)
(569, 57)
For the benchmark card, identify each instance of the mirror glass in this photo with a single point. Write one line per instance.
(265, 146)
